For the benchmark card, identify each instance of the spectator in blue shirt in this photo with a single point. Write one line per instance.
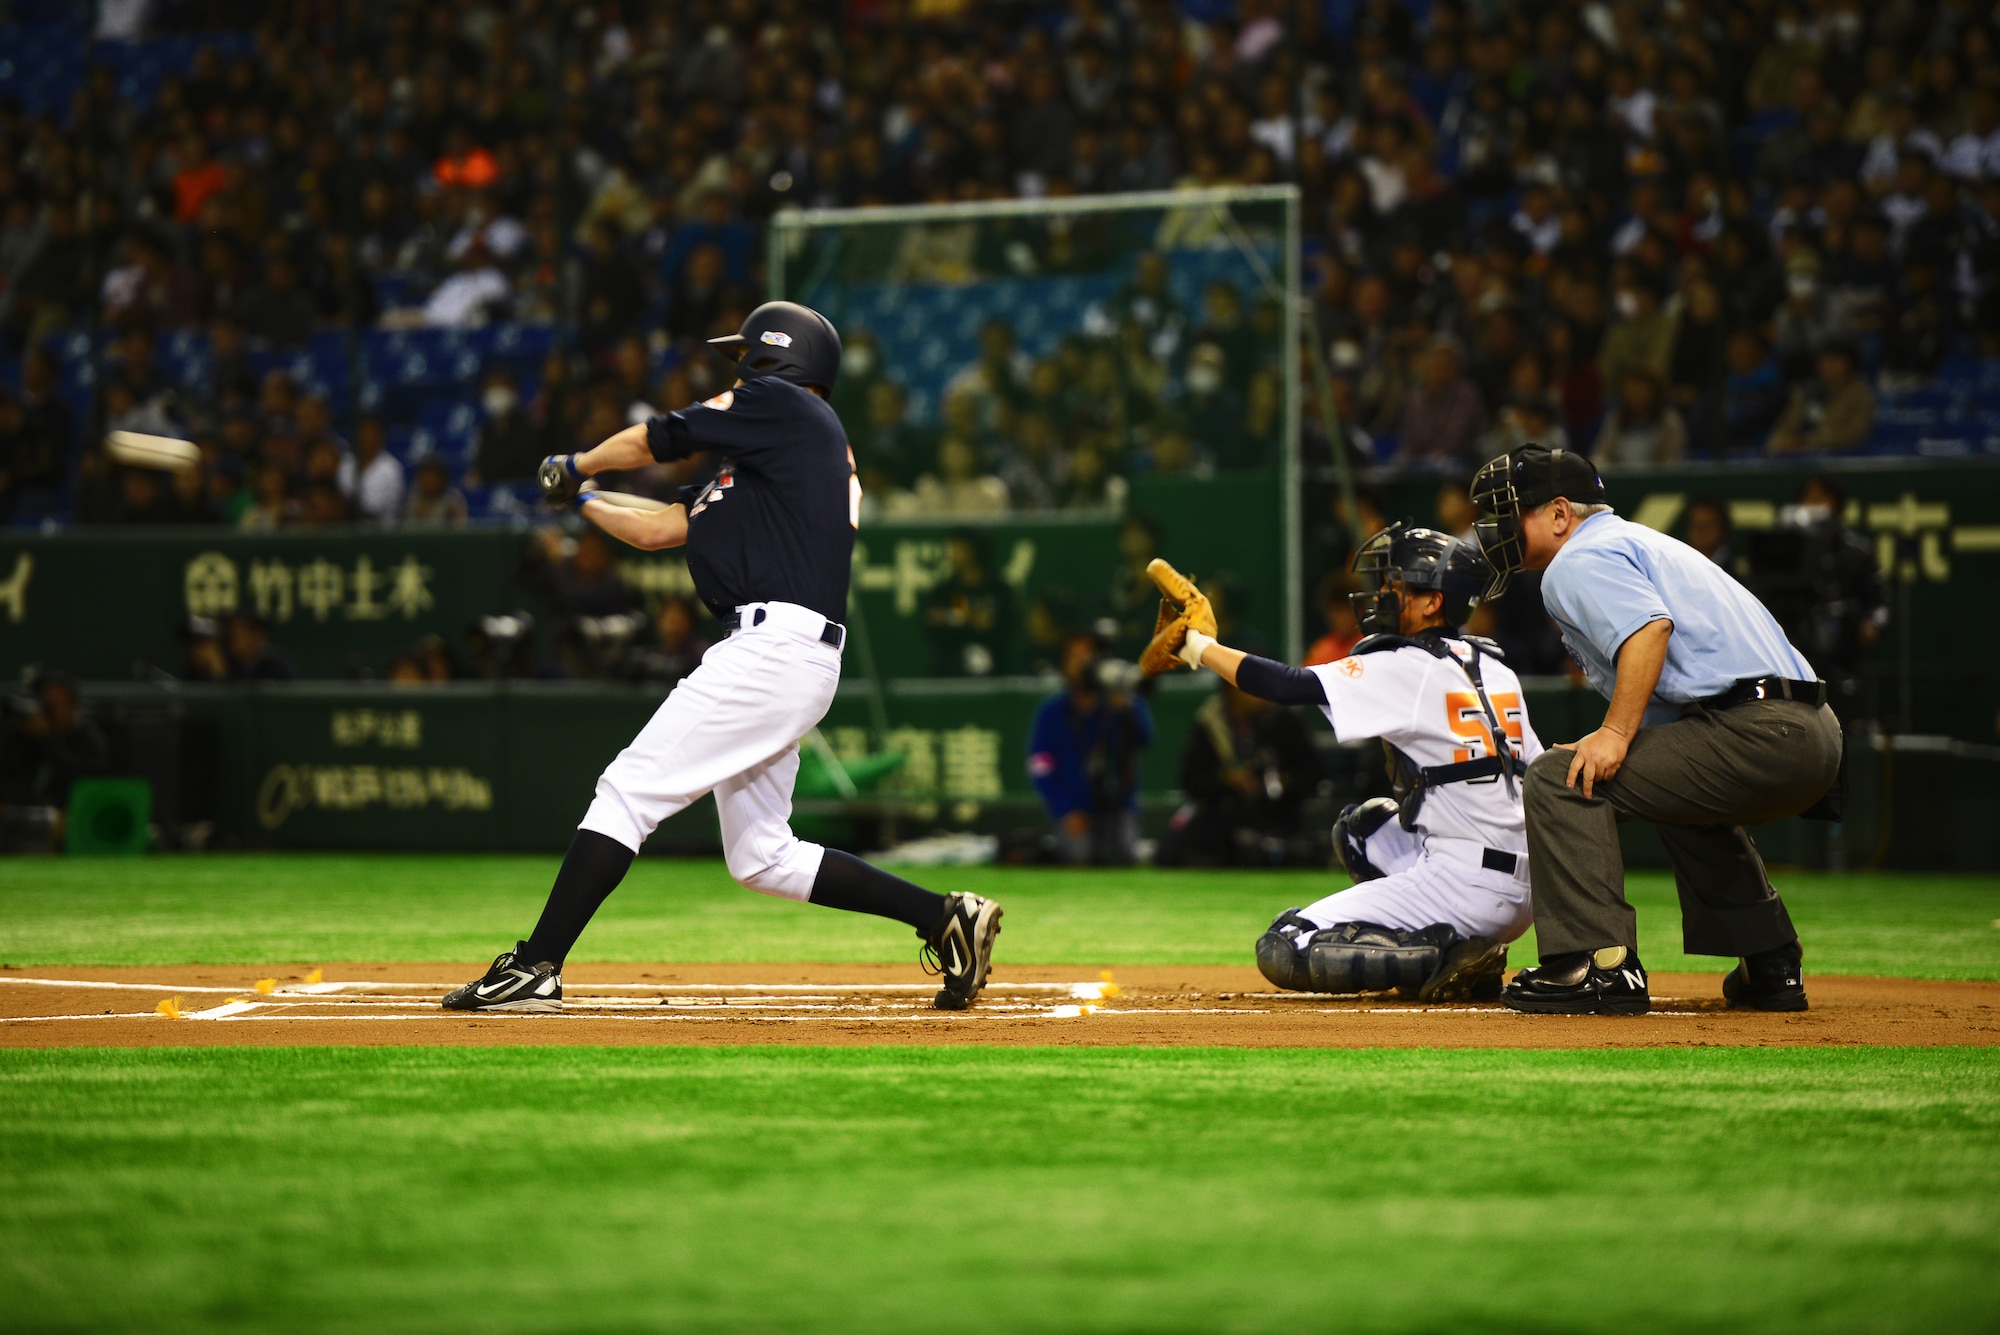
(1083, 756)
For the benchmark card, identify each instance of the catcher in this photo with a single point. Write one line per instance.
(1442, 871)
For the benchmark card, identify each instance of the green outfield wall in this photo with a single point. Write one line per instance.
(511, 766)
(98, 602)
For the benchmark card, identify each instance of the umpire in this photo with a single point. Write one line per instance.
(1715, 721)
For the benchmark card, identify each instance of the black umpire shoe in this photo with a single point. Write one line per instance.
(511, 986)
(960, 949)
(1468, 971)
(1773, 980)
(1610, 981)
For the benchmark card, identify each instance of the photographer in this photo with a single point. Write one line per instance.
(1821, 581)
(1083, 756)
(593, 605)
(1247, 769)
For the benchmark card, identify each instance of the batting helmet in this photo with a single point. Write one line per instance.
(1517, 482)
(1423, 559)
(787, 340)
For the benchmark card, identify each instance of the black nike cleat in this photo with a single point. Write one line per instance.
(1610, 981)
(960, 949)
(511, 986)
(1772, 980)
(1469, 971)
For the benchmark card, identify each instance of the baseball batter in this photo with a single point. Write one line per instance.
(769, 544)
(1442, 875)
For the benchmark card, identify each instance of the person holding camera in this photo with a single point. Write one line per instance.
(1247, 769)
(1822, 582)
(1083, 756)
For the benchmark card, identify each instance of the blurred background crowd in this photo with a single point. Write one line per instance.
(380, 258)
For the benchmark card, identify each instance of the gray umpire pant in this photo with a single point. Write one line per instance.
(1699, 779)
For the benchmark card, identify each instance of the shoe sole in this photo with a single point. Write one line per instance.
(1578, 1006)
(1769, 1003)
(989, 931)
(533, 1006)
(1456, 978)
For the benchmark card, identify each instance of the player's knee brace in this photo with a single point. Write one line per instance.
(1281, 951)
(1366, 957)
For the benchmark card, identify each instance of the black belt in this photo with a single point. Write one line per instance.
(1494, 859)
(832, 633)
(1768, 688)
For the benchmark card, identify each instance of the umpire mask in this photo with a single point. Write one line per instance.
(1508, 487)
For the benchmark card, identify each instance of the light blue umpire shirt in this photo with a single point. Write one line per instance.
(1613, 577)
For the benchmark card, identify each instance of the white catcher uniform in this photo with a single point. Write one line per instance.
(1427, 708)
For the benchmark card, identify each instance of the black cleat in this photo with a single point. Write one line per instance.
(1281, 952)
(1772, 980)
(1469, 971)
(960, 949)
(511, 986)
(1610, 981)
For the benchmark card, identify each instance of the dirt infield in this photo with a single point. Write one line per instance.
(878, 1003)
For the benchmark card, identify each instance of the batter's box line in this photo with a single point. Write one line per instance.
(1075, 991)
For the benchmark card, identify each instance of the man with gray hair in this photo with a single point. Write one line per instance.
(1715, 721)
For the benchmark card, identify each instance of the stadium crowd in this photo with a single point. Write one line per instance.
(1658, 231)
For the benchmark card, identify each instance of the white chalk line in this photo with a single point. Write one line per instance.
(368, 1000)
(1078, 991)
(364, 1000)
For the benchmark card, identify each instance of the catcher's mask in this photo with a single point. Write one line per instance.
(1511, 485)
(786, 340)
(1423, 560)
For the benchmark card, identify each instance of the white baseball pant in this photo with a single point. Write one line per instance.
(732, 727)
(1428, 879)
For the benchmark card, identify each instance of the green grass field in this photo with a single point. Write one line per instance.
(910, 1189)
(250, 909)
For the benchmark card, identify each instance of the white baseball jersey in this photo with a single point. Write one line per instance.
(1426, 707)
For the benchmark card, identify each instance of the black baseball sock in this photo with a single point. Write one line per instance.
(591, 870)
(846, 882)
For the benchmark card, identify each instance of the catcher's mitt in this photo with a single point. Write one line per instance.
(1183, 607)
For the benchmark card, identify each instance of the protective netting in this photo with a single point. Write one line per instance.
(1035, 357)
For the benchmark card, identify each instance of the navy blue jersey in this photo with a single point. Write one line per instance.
(777, 524)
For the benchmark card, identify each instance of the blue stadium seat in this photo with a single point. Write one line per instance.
(523, 343)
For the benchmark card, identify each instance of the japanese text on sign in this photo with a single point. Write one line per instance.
(319, 588)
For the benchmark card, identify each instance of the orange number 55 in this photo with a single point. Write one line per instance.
(1467, 719)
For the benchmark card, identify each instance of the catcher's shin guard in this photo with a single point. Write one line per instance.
(1366, 957)
(1281, 951)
